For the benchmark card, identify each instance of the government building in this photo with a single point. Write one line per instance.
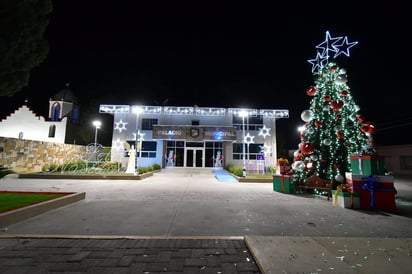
(201, 137)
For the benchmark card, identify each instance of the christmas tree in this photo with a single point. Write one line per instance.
(334, 129)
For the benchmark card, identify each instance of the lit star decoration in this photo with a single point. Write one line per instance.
(344, 45)
(264, 131)
(337, 45)
(118, 144)
(249, 139)
(120, 125)
(138, 136)
(318, 62)
(265, 149)
(325, 45)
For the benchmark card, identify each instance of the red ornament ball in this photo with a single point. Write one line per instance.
(343, 93)
(311, 91)
(360, 117)
(326, 98)
(297, 155)
(367, 127)
(336, 105)
(307, 148)
(318, 123)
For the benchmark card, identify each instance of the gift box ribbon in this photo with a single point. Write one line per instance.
(360, 165)
(360, 161)
(372, 185)
(342, 188)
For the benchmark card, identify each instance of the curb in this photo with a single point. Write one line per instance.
(84, 177)
(15, 216)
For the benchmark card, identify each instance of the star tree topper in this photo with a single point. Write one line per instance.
(337, 45)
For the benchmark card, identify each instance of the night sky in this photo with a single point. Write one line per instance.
(232, 54)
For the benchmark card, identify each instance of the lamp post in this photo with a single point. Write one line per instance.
(97, 125)
(301, 129)
(137, 110)
(243, 114)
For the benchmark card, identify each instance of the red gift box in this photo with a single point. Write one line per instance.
(376, 192)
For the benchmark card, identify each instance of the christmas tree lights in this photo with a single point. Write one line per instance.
(333, 127)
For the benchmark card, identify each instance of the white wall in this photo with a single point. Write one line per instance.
(33, 127)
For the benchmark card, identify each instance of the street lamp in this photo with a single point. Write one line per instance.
(97, 125)
(243, 114)
(137, 110)
(301, 129)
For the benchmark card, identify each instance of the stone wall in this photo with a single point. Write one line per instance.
(24, 156)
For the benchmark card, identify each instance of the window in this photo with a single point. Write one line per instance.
(252, 151)
(55, 112)
(178, 148)
(75, 115)
(251, 123)
(212, 149)
(52, 131)
(149, 149)
(195, 122)
(405, 162)
(147, 124)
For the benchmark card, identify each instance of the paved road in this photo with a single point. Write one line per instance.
(193, 204)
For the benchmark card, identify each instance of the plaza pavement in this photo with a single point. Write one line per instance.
(187, 221)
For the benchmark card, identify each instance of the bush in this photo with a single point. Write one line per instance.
(156, 167)
(238, 171)
(5, 171)
(142, 170)
(112, 166)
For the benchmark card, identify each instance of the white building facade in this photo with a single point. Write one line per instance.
(24, 124)
(201, 137)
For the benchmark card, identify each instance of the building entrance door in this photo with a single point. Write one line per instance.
(194, 157)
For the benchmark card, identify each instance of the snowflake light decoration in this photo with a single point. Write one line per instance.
(120, 125)
(117, 144)
(264, 131)
(138, 136)
(265, 149)
(249, 139)
(337, 45)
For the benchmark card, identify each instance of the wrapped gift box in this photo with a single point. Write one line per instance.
(367, 164)
(375, 192)
(283, 183)
(346, 199)
(283, 169)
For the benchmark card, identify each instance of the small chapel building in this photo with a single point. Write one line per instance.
(60, 126)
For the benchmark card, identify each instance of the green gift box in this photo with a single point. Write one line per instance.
(346, 199)
(367, 164)
(283, 183)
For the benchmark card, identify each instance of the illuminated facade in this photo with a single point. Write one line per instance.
(203, 137)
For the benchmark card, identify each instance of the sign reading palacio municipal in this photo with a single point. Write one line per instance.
(194, 133)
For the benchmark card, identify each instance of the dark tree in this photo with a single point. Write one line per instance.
(22, 43)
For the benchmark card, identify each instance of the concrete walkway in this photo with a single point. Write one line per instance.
(282, 233)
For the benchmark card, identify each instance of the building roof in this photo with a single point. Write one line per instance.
(66, 94)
